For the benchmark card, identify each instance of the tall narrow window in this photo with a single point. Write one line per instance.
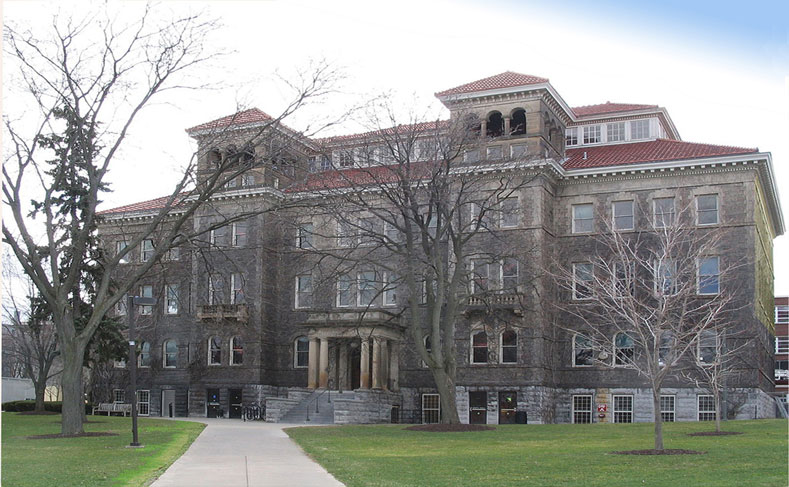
(237, 351)
(171, 304)
(214, 351)
(481, 271)
(624, 349)
(510, 212)
(509, 274)
(663, 212)
(583, 352)
(304, 236)
(216, 289)
(344, 291)
(582, 409)
(583, 218)
(624, 279)
(479, 348)
(170, 354)
(583, 279)
(237, 288)
(623, 409)
(303, 291)
(120, 246)
(706, 408)
(707, 209)
(571, 136)
(623, 215)
(666, 348)
(709, 275)
(146, 292)
(390, 289)
(240, 234)
(145, 354)
(666, 277)
(365, 288)
(219, 237)
(345, 234)
(144, 402)
(146, 250)
(431, 408)
(509, 347)
(667, 407)
(708, 346)
(367, 231)
(301, 353)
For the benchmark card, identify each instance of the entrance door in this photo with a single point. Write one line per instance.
(478, 407)
(213, 407)
(168, 403)
(235, 403)
(508, 403)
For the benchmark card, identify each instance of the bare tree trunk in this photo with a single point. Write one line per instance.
(445, 384)
(40, 387)
(658, 419)
(717, 397)
(71, 382)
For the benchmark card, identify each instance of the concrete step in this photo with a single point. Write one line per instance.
(305, 409)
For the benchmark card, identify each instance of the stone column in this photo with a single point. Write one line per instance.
(506, 126)
(483, 128)
(343, 367)
(394, 366)
(376, 363)
(385, 364)
(364, 373)
(323, 374)
(312, 368)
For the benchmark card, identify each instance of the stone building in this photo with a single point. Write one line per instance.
(242, 318)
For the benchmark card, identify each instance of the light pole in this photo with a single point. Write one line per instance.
(131, 302)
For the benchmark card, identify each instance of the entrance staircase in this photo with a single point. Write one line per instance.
(316, 408)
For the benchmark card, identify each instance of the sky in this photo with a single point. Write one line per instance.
(721, 69)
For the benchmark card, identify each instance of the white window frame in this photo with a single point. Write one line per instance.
(164, 354)
(217, 234)
(666, 412)
(494, 153)
(146, 291)
(360, 290)
(717, 210)
(171, 299)
(700, 277)
(146, 250)
(501, 347)
(781, 314)
(435, 397)
(231, 355)
(304, 234)
(350, 296)
(212, 340)
(173, 253)
(636, 129)
(576, 220)
(144, 407)
(592, 134)
(622, 410)
(477, 265)
(616, 350)
(509, 220)
(346, 234)
(296, 352)
(298, 304)
(143, 353)
(503, 285)
(571, 136)
(632, 215)
(706, 334)
(576, 281)
(239, 234)
(236, 288)
(213, 289)
(782, 345)
(472, 348)
(119, 396)
(390, 290)
(708, 412)
(659, 279)
(589, 340)
(615, 132)
(575, 411)
(672, 213)
(120, 246)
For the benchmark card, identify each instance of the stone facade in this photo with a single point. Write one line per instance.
(239, 335)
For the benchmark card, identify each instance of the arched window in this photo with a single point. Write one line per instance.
(583, 352)
(471, 124)
(518, 122)
(623, 349)
(495, 125)
(301, 352)
(170, 354)
(145, 354)
(237, 348)
(214, 351)
(214, 159)
(509, 347)
(479, 347)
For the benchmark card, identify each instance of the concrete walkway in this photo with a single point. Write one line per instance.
(232, 453)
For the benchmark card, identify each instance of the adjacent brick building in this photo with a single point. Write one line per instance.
(241, 318)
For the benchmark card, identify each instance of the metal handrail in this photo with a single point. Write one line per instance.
(316, 399)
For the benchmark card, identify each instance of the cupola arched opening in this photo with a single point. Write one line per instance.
(495, 125)
(518, 122)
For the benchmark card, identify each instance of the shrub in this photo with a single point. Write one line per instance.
(28, 405)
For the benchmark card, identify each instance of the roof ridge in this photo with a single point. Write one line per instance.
(249, 115)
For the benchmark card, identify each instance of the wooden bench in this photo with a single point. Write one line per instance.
(113, 407)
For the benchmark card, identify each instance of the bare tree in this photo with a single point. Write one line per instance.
(410, 219)
(640, 300)
(88, 80)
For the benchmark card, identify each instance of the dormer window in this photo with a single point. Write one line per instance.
(615, 131)
(518, 123)
(592, 134)
(571, 136)
(345, 158)
(639, 129)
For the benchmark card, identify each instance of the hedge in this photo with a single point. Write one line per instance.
(28, 405)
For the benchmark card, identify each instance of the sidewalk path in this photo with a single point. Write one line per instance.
(232, 453)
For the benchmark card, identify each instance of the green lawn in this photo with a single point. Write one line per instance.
(101, 461)
(550, 455)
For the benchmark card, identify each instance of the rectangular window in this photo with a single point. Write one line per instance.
(707, 209)
(583, 351)
(477, 407)
(144, 403)
(623, 409)
(510, 212)
(583, 218)
(214, 351)
(219, 237)
(171, 303)
(639, 129)
(781, 345)
(236, 288)
(390, 289)
(582, 409)
(707, 346)
(471, 156)
(303, 291)
(571, 136)
(706, 408)
(667, 408)
(519, 150)
(367, 231)
(345, 158)
(302, 353)
(365, 288)
(666, 277)
(509, 274)
(583, 277)
(615, 131)
(624, 215)
(591, 134)
(624, 279)
(247, 180)
(481, 272)
(391, 232)
(216, 289)
(344, 291)
(174, 253)
(118, 395)
(120, 306)
(304, 236)
(345, 234)
(493, 153)
(146, 250)
(120, 246)
(431, 408)
(240, 234)
(782, 314)
(663, 212)
(146, 292)
(708, 275)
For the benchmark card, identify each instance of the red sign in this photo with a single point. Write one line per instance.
(602, 408)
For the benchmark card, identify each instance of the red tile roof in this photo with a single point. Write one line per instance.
(244, 117)
(154, 204)
(402, 129)
(506, 79)
(640, 152)
(608, 107)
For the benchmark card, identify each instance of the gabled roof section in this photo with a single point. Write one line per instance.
(251, 116)
(507, 79)
(641, 152)
(143, 206)
(408, 128)
(608, 107)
